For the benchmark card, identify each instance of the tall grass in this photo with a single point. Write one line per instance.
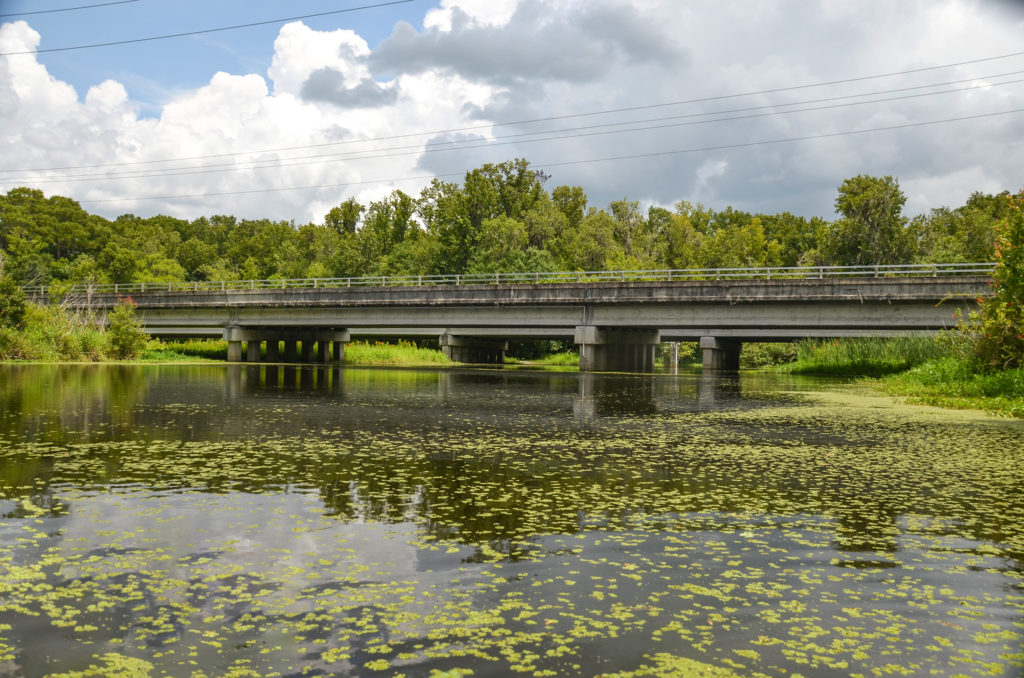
(562, 359)
(401, 353)
(871, 357)
(957, 383)
(185, 349)
(54, 333)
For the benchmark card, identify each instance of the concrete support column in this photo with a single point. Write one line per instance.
(473, 349)
(252, 351)
(616, 350)
(321, 338)
(291, 351)
(339, 351)
(720, 354)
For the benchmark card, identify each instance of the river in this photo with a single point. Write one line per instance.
(167, 520)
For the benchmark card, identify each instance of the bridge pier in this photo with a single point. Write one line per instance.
(720, 354)
(273, 351)
(315, 344)
(291, 351)
(615, 350)
(473, 349)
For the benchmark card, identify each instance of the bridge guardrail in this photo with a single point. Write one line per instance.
(660, 275)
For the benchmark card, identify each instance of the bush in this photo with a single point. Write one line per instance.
(125, 335)
(996, 331)
(12, 304)
(756, 354)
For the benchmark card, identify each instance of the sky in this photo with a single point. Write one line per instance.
(764, 106)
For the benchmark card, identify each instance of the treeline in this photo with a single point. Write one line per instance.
(501, 218)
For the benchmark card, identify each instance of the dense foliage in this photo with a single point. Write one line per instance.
(125, 336)
(501, 218)
(995, 332)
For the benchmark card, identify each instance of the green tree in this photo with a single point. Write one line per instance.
(545, 222)
(680, 235)
(386, 224)
(502, 244)
(443, 208)
(633, 233)
(572, 202)
(12, 303)
(872, 229)
(591, 246)
(996, 330)
(125, 337)
(344, 217)
(965, 234)
(800, 238)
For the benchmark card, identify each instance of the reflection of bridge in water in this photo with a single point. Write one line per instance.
(617, 324)
(283, 403)
(594, 396)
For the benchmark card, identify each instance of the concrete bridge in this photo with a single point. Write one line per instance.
(617, 319)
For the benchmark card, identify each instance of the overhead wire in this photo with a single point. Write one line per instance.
(566, 163)
(533, 120)
(66, 9)
(208, 30)
(483, 143)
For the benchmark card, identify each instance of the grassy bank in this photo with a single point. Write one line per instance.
(403, 353)
(955, 383)
(922, 370)
(362, 353)
(864, 357)
(562, 359)
(54, 334)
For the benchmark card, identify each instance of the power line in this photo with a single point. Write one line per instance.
(566, 163)
(562, 117)
(473, 144)
(210, 30)
(67, 9)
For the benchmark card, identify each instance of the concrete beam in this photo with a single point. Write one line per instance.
(239, 333)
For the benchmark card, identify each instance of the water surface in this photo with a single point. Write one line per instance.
(302, 521)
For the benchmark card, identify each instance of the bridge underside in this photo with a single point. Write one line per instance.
(619, 339)
(617, 326)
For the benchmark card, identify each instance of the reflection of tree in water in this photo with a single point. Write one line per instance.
(501, 471)
(67, 403)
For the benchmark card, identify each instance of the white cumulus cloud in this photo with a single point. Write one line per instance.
(512, 78)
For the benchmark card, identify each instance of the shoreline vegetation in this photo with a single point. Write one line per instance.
(502, 219)
(920, 370)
